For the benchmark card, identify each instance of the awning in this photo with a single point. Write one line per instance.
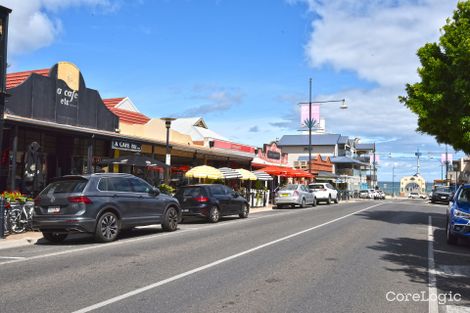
(246, 175)
(263, 176)
(230, 173)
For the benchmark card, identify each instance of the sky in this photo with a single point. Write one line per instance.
(244, 65)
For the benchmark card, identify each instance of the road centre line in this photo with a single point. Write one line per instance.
(215, 263)
(432, 290)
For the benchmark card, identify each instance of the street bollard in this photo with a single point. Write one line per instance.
(2, 218)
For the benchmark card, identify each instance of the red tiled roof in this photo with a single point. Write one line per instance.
(130, 117)
(112, 102)
(15, 79)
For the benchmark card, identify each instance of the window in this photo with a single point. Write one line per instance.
(140, 186)
(66, 186)
(464, 195)
(218, 190)
(115, 184)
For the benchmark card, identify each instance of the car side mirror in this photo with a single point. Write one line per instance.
(235, 195)
(155, 192)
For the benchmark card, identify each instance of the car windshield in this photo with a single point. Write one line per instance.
(364, 191)
(66, 186)
(443, 189)
(317, 186)
(190, 192)
(290, 187)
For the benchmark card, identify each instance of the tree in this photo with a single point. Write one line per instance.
(442, 98)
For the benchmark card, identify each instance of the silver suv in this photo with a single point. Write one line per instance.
(103, 205)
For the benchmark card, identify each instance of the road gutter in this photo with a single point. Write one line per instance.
(215, 263)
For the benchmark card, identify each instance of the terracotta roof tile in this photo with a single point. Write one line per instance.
(15, 79)
(130, 117)
(112, 102)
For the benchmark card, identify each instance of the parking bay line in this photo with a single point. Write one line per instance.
(215, 263)
(432, 289)
(13, 257)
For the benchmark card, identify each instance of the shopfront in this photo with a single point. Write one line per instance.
(54, 125)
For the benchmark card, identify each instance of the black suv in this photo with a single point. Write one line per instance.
(442, 194)
(211, 202)
(102, 204)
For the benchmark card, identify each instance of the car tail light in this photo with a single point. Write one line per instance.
(296, 193)
(80, 199)
(201, 199)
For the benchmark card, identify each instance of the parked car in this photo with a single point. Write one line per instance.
(380, 195)
(324, 192)
(441, 194)
(294, 194)
(366, 194)
(413, 195)
(103, 205)
(211, 202)
(458, 215)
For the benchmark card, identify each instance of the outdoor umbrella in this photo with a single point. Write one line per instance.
(263, 176)
(204, 171)
(246, 175)
(135, 160)
(275, 170)
(229, 173)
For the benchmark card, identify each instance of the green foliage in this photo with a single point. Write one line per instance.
(166, 189)
(15, 196)
(442, 98)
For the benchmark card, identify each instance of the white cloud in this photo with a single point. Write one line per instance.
(376, 39)
(34, 24)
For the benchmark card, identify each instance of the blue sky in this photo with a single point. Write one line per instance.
(244, 65)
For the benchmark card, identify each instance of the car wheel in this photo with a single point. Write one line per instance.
(314, 203)
(337, 199)
(214, 215)
(279, 206)
(107, 228)
(244, 212)
(329, 199)
(170, 220)
(302, 203)
(54, 237)
(451, 239)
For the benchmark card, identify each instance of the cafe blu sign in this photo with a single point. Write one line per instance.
(118, 144)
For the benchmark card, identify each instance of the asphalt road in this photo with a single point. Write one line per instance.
(369, 256)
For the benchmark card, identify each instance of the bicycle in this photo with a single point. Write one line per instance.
(21, 217)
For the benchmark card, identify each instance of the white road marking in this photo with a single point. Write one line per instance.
(453, 270)
(432, 293)
(457, 309)
(215, 263)
(453, 253)
(12, 257)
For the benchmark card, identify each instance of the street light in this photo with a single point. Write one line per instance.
(311, 123)
(168, 121)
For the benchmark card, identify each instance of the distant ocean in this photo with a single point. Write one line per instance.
(387, 187)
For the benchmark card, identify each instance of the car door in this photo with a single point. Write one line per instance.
(236, 202)
(308, 195)
(150, 207)
(333, 191)
(121, 195)
(224, 200)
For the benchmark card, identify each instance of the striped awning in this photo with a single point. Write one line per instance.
(263, 175)
(229, 173)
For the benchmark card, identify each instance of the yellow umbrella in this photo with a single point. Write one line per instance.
(204, 171)
(246, 175)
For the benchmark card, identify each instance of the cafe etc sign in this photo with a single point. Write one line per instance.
(118, 144)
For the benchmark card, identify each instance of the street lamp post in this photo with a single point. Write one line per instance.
(311, 123)
(4, 14)
(168, 121)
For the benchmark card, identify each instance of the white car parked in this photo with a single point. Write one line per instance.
(324, 192)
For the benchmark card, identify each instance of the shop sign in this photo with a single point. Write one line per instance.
(274, 155)
(232, 146)
(118, 144)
